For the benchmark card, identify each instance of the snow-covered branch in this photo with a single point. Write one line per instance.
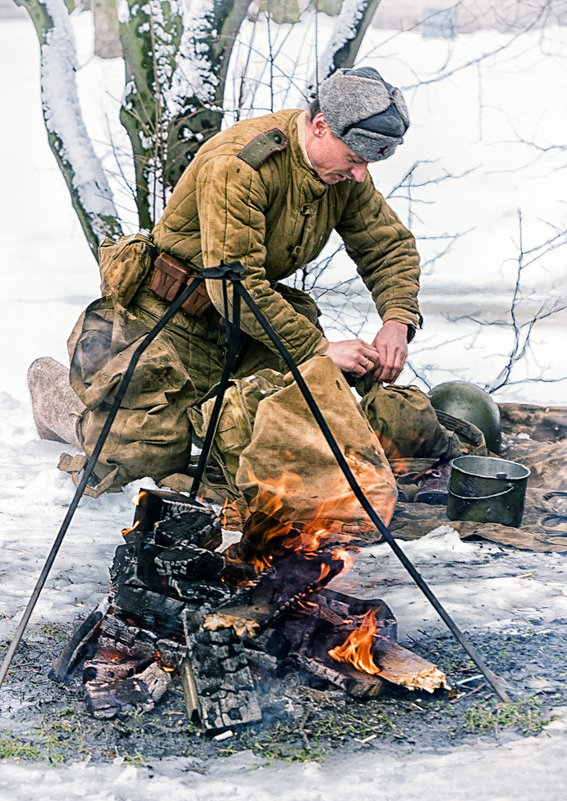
(68, 137)
(350, 26)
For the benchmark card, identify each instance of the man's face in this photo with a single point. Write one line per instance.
(332, 160)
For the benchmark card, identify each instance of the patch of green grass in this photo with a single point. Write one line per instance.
(273, 748)
(524, 715)
(54, 631)
(136, 760)
(13, 748)
(311, 738)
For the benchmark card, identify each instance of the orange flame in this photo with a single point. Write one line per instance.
(137, 498)
(277, 532)
(157, 657)
(271, 528)
(347, 558)
(357, 648)
(126, 531)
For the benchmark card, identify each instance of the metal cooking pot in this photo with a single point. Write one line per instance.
(487, 490)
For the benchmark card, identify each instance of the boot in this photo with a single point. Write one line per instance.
(434, 488)
(56, 407)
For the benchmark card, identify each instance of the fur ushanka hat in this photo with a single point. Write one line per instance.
(364, 111)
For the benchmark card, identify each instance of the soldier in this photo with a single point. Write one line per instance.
(267, 192)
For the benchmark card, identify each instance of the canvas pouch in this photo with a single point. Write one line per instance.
(124, 264)
(170, 276)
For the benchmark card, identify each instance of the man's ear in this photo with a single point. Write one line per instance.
(319, 125)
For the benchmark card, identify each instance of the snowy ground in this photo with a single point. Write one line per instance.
(48, 276)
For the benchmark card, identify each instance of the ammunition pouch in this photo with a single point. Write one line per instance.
(170, 277)
(124, 265)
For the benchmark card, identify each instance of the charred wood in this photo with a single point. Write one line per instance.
(109, 699)
(218, 686)
(109, 664)
(199, 526)
(127, 638)
(352, 681)
(189, 562)
(178, 517)
(77, 646)
(291, 579)
(151, 610)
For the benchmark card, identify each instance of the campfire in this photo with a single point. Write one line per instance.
(182, 607)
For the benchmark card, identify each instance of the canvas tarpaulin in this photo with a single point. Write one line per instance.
(535, 436)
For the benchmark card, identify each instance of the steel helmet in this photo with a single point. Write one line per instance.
(471, 403)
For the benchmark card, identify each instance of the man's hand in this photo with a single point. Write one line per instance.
(353, 356)
(391, 343)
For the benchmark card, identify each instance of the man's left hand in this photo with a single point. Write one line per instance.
(391, 342)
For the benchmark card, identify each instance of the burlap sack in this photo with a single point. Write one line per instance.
(151, 432)
(288, 470)
(234, 428)
(406, 424)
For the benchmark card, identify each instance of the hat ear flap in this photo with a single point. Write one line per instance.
(400, 104)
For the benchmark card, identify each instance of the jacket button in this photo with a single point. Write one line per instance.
(277, 139)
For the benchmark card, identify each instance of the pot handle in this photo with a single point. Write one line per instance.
(481, 497)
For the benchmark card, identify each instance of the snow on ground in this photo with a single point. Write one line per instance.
(49, 275)
(524, 770)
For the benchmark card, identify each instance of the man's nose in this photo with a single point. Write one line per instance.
(358, 172)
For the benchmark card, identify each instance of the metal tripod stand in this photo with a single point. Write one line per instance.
(233, 273)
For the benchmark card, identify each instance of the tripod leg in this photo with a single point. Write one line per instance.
(229, 365)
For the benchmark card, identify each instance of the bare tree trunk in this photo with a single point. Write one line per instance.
(107, 40)
(350, 27)
(176, 66)
(68, 137)
(201, 116)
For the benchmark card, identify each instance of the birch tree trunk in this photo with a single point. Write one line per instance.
(176, 65)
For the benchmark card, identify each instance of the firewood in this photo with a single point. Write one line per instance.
(400, 666)
(118, 698)
(217, 683)
(75, 649)
(291, 578)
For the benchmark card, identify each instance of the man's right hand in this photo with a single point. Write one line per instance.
(353, 356)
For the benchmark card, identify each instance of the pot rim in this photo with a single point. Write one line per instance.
(460, 463)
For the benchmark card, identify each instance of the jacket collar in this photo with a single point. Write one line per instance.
(296, 136)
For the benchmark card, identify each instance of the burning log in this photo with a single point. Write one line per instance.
(290, 579)
(324, 622)
(369, 653)
(402, 667)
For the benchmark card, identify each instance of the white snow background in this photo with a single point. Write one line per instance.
(49, 275)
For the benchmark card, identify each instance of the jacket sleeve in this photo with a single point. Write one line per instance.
(384, 252)
(231, 198)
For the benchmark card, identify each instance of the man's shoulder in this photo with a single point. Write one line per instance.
(254, 140)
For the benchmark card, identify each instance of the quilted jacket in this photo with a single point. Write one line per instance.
(275, 219)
